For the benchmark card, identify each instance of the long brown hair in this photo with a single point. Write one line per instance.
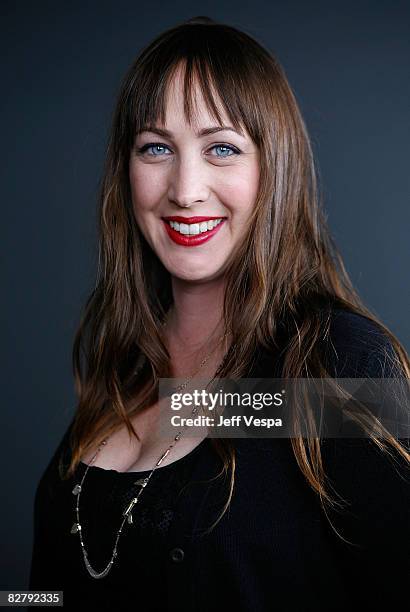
(121, 322)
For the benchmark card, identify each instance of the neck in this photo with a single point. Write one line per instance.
(196, 315)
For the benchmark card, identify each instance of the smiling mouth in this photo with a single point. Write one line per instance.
(193, 227)
(198, 231)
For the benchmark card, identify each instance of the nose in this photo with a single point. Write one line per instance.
(187, 183)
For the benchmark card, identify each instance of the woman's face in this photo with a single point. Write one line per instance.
(182, 173)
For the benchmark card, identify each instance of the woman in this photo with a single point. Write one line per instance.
(215, 261)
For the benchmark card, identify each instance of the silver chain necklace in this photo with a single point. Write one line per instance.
(142, 482)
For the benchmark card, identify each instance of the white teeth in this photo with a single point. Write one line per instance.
(194, 228)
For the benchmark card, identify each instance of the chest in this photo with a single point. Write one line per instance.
(124, 453)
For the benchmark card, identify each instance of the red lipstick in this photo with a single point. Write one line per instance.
(190, 220)
(191, 240)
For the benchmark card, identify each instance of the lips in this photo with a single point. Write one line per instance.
(190, 220)
(193, 239)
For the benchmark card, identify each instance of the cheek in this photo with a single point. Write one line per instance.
(239, 193)
(146, 187)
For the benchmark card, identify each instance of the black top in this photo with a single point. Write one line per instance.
(273, 549)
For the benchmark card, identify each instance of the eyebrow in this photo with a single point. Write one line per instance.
(203, 132)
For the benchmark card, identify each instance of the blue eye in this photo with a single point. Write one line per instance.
(152, 146)
(157, 145)
(226, 147)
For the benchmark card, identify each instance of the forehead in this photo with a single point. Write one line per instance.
(176, 104)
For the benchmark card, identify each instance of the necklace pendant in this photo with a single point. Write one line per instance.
(76, 489)
(141, 481)
(129, 519)
(130, 506)
(75, 528)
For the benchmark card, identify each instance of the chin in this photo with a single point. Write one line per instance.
(190, 277)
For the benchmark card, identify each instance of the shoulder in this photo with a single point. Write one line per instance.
(350, 345)
(357, 347)
(352, 329)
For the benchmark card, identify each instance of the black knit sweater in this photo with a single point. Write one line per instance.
(273, 550)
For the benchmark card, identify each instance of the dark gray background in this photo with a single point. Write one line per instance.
(62, 63)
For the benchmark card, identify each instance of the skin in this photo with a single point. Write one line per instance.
(187, 175)
(190, 175)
